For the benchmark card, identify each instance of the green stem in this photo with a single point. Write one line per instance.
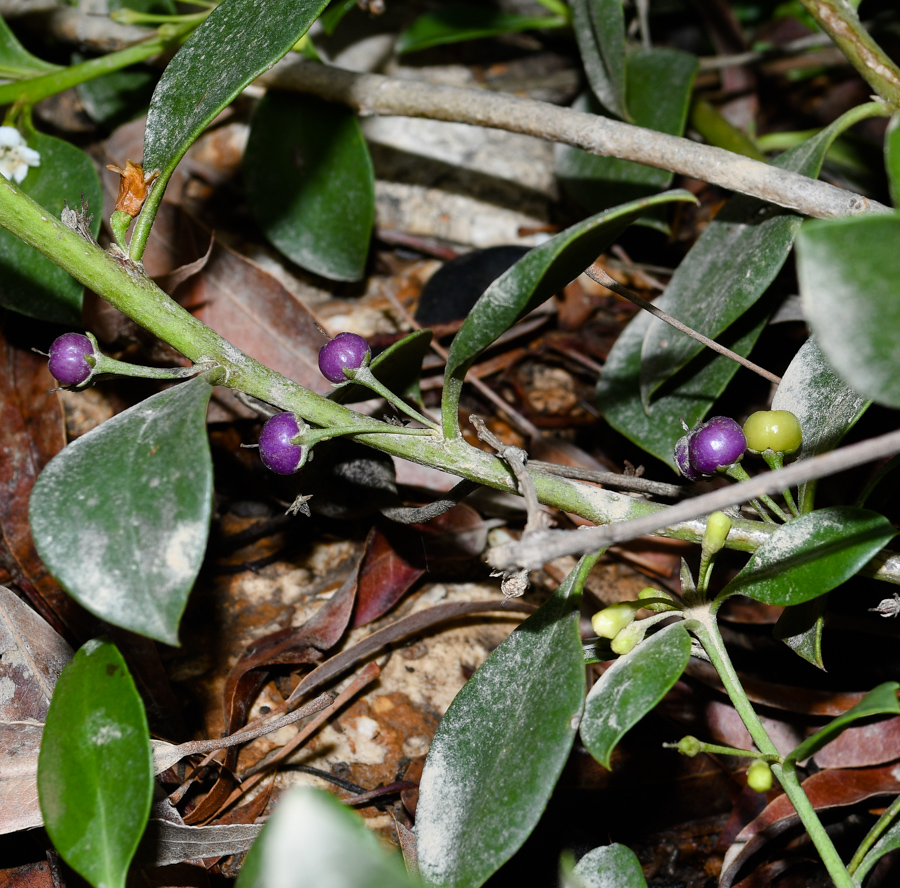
(739, 473)
(707, 632)
(874, 834)
(775, 461)
(364, 376)
(839, 20)
(29, 92)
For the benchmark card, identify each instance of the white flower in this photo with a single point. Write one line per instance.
(15, 156)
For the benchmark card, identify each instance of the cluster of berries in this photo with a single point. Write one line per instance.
(716, 445)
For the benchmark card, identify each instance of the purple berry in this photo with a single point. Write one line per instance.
(716, 444)
(67, 363)
(683, 459)
(276, 450)
(346, 350)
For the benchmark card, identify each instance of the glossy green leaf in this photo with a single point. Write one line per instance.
(800, 627)
(16, 63)
(848, 271)
(892, 158)
(310, 183)
(121, 516)
(32, 284)
(825, 405)
(879, 701)
(812, 555)
(313, 839)
(729, 267)
(631, 687)
(599, 27)
(610, 866)
(95, 770)
(239, 41)
(689, 396)
(500, 748)
(532, 280)
(659, 93)
(455, 22)
(398, 367)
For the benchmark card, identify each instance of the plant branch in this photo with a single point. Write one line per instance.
(544, 546)
(372, 94)
(598, 275)
(839, 20)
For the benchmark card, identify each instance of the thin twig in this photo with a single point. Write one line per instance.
(612, 479)
(597, 274)
(543, 546)
(372, 94)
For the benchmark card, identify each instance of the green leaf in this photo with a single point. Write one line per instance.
(399, 368)
(237, 42)
(825, 405)
(599, 27)
(16, 63)
(729, 268)
(95, 770)
(879, 701)
(848, 269)
(310, 183)
(659, 93)
(335, 13)
(532, 280)
(800, 628)
(455, 22)
(892, 157)
(118, 97)
(129, 550)
(610, 866)
(631, 687)
(689, 396)
(501, 747)
(312, 839)
(32, 284)
(888, 842)
(812, 555)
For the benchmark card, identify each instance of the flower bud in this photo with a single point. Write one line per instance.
(759, 776)
(717, 527)
(609, 622)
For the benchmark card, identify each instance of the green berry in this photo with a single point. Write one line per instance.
(777, 430)
(609, 622)
(759, 776)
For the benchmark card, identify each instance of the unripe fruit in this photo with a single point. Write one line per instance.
(277, 451)
(759, 776)
(67, 358)
(346, 351)
(716, 445)
(609, 622)
(777, 430)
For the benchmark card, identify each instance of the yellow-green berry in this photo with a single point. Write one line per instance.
(777, 430)
(759, 776)
(609, 622)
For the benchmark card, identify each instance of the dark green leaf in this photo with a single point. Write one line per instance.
(892, 158)
(631, 687)
(812, 555)
(500, 748)
(335, 13)
(32, 284)
(95, 770)
(310, 183)
(599, 27)
(610, 866)
(398, 367)
(659, 92)
(826, 407)
(239, 41)
(689, 396)
(728, 269)
(312, 839)
(848, 271)
(129, 550)
(16, 63)
(879, 701)
(118, 97)
(534, 279)
(455, 22)
(800, 628)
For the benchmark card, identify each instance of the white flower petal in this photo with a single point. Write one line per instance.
(29, 155)
(20, 172)
(10, 137)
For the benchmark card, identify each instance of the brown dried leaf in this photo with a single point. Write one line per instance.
(384, 577)
(863, 745)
